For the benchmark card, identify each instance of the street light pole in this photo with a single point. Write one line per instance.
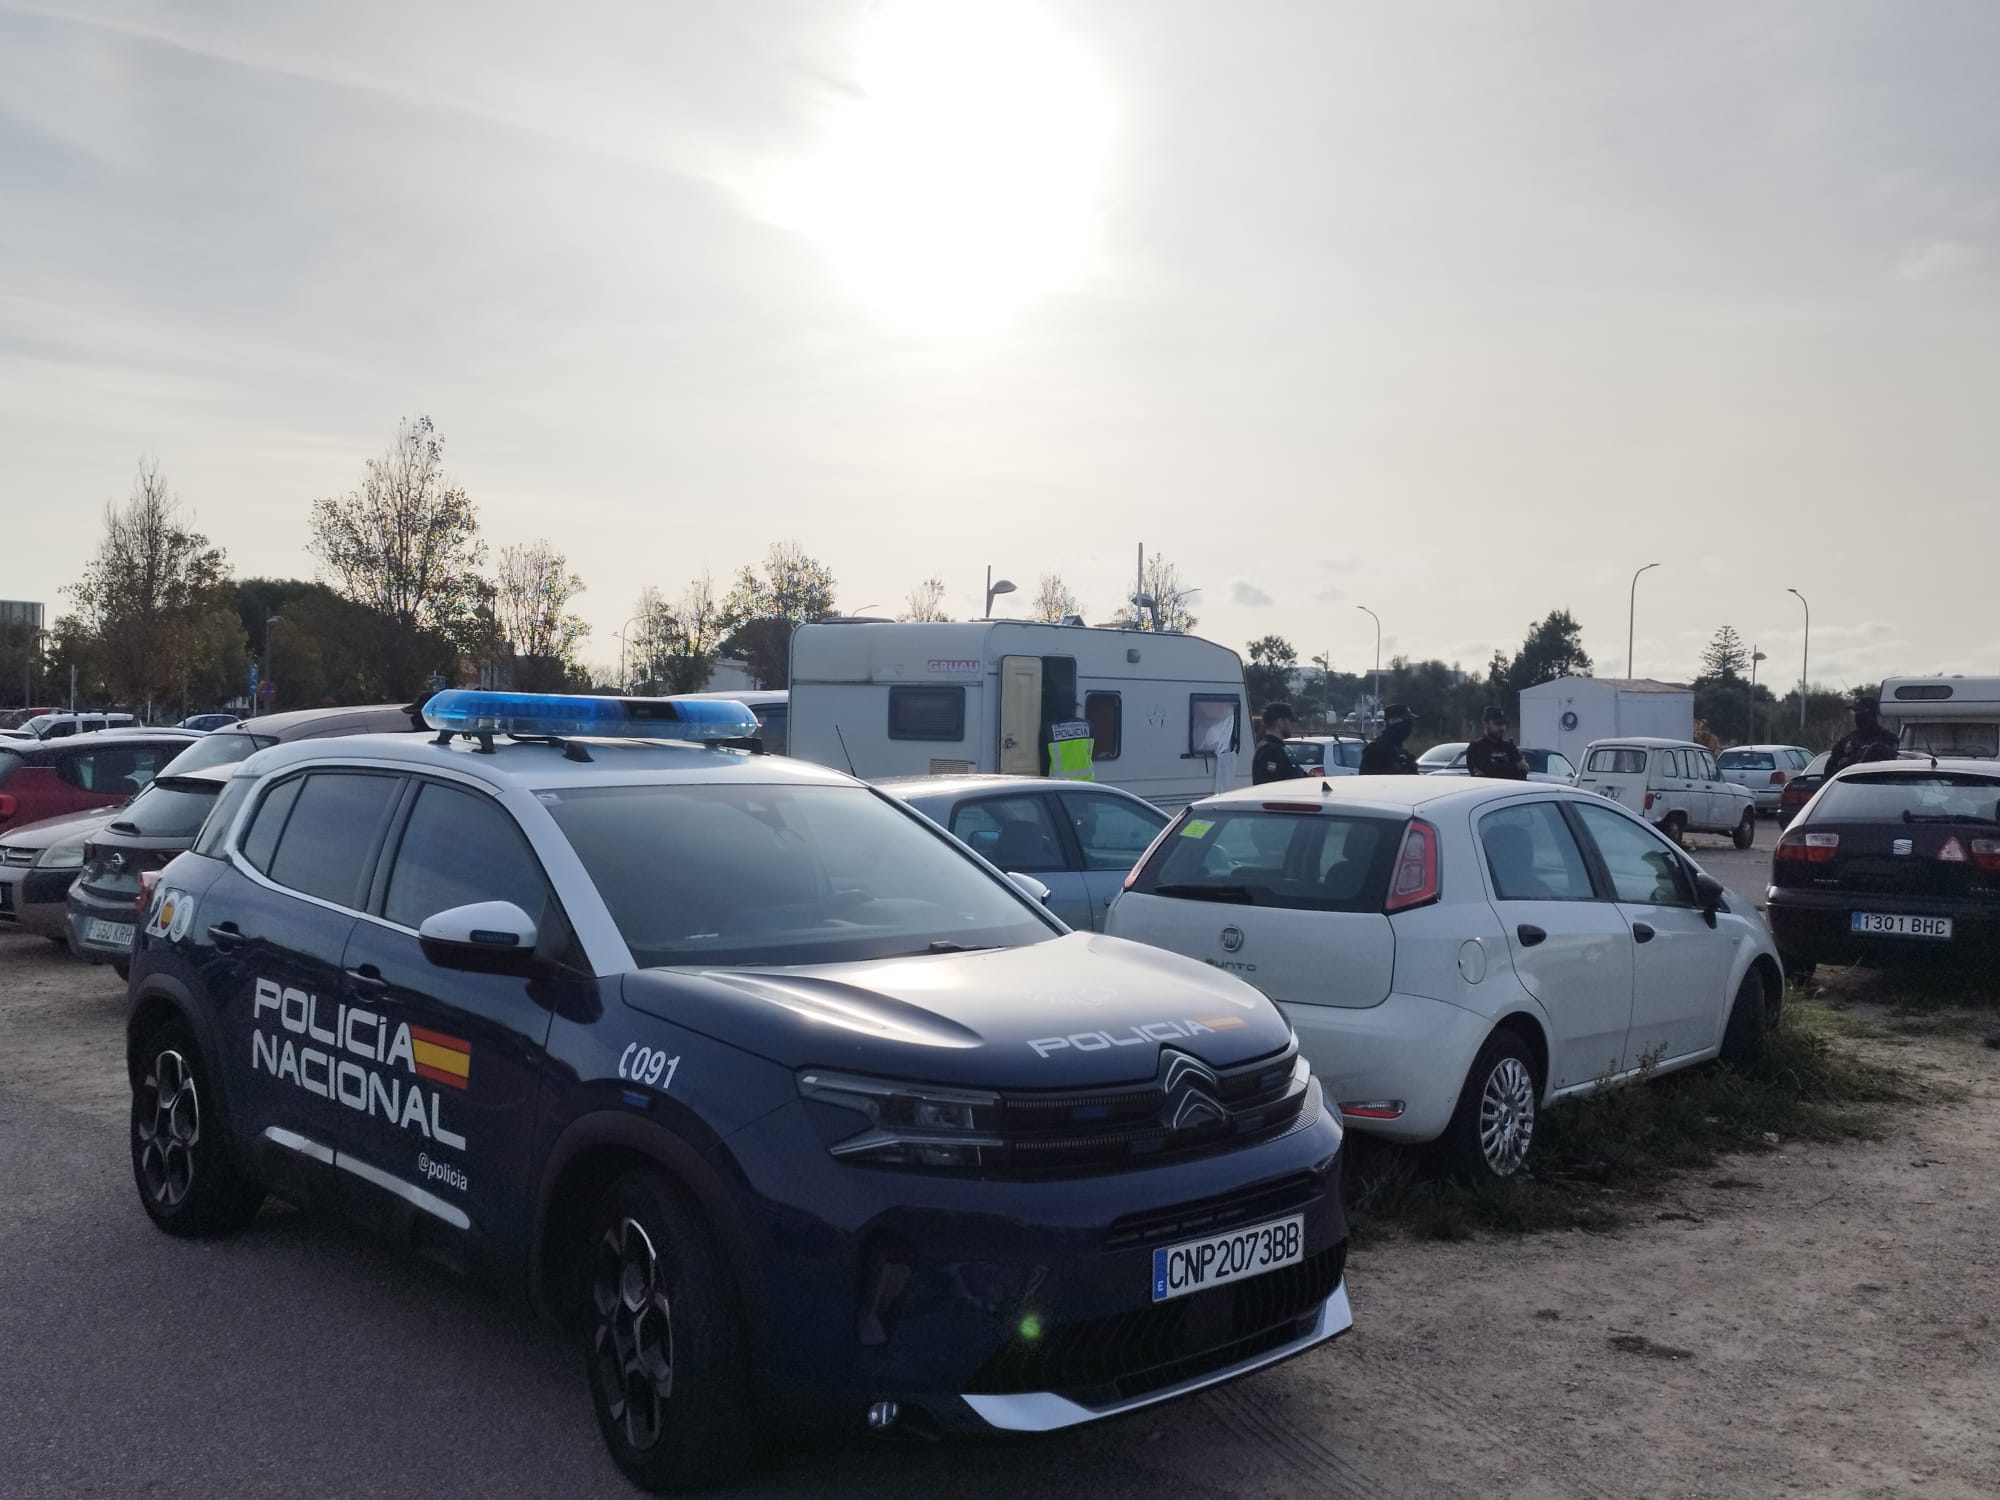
(1631, 615)
(1805, 661)
(1755, 657)
(994, 590)
(1375, 720)
(625, 682)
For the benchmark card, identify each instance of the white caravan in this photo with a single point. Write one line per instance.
(1166, 712)
(1957, 717)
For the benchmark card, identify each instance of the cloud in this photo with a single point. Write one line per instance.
(1938, 261)
(1329, 595)
(1249, 596)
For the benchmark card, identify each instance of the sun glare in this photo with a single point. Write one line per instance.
(961, 182)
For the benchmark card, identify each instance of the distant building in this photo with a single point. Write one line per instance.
(20, 612)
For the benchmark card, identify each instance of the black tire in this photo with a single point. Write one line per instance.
(1744, 1042)
(187, 1182)
(1675, 826)
(664, 1348)
(1746, 831)
(1493, 1128)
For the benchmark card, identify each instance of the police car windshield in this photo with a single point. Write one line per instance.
(219, 749)
(753, 875)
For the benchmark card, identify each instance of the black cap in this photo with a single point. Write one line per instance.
(1864, 703)
(1399, 711)
(1494, 714)
(1277, 711)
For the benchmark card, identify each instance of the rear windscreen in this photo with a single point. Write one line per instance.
(1746, 760)
(223, 748)
(171, 812)
(1941, 796)
(1618, 762)
(1306, 861)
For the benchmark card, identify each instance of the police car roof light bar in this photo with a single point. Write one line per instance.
(559, 717)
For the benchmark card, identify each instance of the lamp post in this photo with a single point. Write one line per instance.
(269, 620)
(624, 682)
(1631, 615)
(1755, 657)
(1325, 665)
(995, 588)
(1375, 719)
(1805, 660)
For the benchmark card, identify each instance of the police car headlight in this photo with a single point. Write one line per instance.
(915, 1125)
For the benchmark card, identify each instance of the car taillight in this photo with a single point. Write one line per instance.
(1777, 778)
(7, 805)
(1414, 881)
(1986, 854)
(1811, 848)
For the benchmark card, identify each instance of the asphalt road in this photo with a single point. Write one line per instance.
(297, 1358)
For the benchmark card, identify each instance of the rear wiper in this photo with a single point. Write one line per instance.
(1240, 894)
(1915, 817)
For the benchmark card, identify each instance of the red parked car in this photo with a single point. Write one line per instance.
(47, 778)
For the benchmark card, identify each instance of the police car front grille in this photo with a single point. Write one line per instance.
(1099, 1362)
(1105, 1127)
(1186, 1221)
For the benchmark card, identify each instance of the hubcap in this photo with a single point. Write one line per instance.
(1507, 1116)
(634, 1341)
(168, 1121)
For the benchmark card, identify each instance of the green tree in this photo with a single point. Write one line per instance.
(1054, 601)
(1725, 655)
(406, 544)
(792, 590)
(1722, 697)
(532, 590)
(925, 602)
(1553, 648)
(146, 594)
(1268, 678)
(1172, 596)
(674, 646)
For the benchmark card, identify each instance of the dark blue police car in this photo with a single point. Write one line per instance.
(790, 1104)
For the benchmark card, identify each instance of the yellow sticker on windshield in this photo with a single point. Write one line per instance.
(1194, 828)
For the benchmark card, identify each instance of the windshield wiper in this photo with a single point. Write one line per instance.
(1917, 817)
(948, 945)
(1240, 894)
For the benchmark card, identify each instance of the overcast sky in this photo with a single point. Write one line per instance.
(1461, 312)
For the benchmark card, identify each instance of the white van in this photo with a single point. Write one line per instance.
(881, 698)
(1673, 784)
(1958, 717)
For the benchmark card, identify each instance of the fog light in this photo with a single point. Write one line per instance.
(882, 1416)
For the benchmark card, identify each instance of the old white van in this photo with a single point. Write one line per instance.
(1674, 784)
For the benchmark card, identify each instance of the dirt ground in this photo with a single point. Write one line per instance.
(1806, 1319)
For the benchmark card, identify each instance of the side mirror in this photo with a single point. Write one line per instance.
(1030, 887)
(1710, 894)
(487, 937)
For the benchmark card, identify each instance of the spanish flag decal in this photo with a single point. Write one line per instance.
(1214, 1023)
(440, 1058)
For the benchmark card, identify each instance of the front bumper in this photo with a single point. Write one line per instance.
(1811, 927)
(33, 900)
(1024, 1304)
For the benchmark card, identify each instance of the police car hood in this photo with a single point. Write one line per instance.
(1075, 1010)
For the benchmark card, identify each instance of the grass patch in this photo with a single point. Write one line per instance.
(1595, 1158)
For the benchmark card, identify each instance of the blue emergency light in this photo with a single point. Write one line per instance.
(475, 711)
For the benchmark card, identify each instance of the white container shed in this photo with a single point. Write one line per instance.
(1568, 713)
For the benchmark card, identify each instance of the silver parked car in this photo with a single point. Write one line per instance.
(1077, 838)
(1762, 770)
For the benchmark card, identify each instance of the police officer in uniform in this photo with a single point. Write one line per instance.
(1384, 755)
(1870, 740)
(1493, 754)
(1271, 763)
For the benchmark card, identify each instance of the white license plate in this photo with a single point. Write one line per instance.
(1897, 925)
(1221, 1258)
(116, 934)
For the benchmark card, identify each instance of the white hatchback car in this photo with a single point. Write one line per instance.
(1456, 953)
(1673, 784)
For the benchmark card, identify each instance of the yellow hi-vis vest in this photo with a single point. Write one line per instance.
(1070, 748)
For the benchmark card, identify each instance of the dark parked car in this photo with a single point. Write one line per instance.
(79, 772)
(239, 741)
(37, 864)
(204, 723)
(142, 839)
(1892, 862)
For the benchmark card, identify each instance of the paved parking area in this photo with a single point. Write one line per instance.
(1808, 1320)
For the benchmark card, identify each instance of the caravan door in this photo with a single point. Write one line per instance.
(1021, 716)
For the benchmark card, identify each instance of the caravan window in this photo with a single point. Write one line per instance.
(1105, 714)
(1208, 713)
(927, 713)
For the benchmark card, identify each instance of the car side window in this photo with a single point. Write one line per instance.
(327, 840)
(459, 847)
(1644, 870)
(1013, 833)
(1112, 832)
(1704, 766)
(260, 840)
(1533, 856)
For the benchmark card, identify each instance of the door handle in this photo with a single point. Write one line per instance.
(225, 937)
(1529, 934)
(367, 977)
(1641, 933)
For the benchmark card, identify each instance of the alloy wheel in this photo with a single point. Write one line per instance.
(634, 1342)
(169, 1126)
(1507, 1116)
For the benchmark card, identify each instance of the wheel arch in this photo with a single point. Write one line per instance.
(1768, 969)
(591, 1153)
(1534, 1035)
